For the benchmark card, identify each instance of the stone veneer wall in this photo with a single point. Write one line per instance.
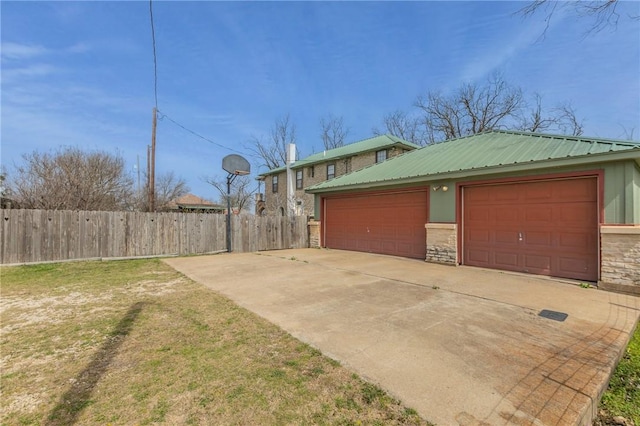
(620, 258)
(442, 243)
(314, 233)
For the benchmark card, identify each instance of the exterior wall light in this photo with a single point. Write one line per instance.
(443, 187)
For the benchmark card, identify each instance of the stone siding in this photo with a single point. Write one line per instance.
(442, 243)
(620, 259)
(314, 233)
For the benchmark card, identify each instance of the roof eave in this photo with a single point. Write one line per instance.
(532, 165)
(303, 163)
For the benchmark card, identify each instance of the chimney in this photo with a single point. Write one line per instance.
(291, 153)
(291, 158)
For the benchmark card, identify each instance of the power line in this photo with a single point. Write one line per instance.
(155, 59)
(162, 116)
(157, 113)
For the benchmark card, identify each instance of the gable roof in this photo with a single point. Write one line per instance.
(372, 144)
(483, 153)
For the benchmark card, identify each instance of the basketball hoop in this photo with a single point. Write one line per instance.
(235, 165)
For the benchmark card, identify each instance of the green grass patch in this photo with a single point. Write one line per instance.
(622, 397)
(135, 342)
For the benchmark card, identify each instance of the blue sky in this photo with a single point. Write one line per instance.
(81, 73)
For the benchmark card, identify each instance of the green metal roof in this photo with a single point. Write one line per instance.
(490, 151)
(372, 144)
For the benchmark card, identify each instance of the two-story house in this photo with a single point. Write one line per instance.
(284, 187)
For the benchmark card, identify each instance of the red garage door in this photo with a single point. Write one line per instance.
(542, 227)
(386, 223)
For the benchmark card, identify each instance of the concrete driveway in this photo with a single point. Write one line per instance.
(463, 346)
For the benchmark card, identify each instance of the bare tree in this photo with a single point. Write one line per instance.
(627, 134)
(473, 108)
(3, 178)
(561, 119)
(493, 105)
(604, 14)
(272, 151)
(5, 193)
(168, 187)
(333, 131)
(404, 126)
(241, 191)
(72, 179)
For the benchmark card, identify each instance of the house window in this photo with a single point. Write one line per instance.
(331, 171)
(312, 171)
(274, 184)
(381, 155)
(298, 179)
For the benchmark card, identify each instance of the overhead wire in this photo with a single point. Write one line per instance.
(162, 116)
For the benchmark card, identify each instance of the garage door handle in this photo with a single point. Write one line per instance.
(519, 236)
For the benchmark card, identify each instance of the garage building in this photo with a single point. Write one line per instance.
(544, 204)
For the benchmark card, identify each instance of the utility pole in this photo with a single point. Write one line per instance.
(152, 161)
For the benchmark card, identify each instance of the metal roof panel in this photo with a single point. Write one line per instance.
(366, 145)
(480, 151)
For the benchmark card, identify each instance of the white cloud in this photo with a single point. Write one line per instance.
(10, 75)
(20, 51)
(499, 51)
(78, 48)
(44, 115)
(12, 51)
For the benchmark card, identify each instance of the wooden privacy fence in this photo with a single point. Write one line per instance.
(50, 235)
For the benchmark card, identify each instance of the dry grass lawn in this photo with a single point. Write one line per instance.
(135, 343)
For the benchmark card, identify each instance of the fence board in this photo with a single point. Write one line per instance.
(50, 235)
